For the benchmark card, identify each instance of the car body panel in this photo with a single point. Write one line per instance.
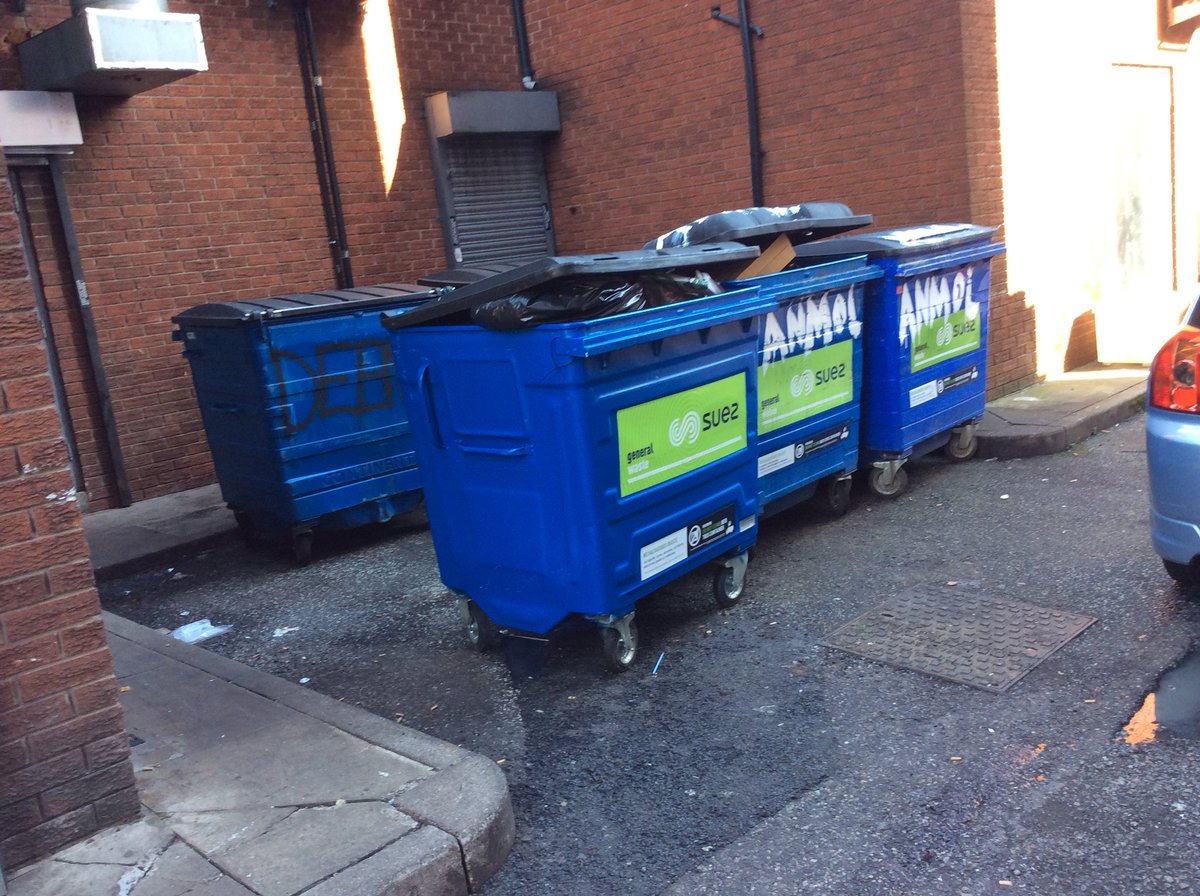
(1173, 464)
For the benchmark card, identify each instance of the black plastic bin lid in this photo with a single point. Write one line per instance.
(761, 226)
(901, 241)
(304, 304)
(465, 276)
(553, 267)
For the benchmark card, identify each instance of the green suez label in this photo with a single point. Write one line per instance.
(673, 435)
(803, 385)
(947, 337)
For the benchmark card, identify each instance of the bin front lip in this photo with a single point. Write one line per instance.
(553, 267)
(885, 243)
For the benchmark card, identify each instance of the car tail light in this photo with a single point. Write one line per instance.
(1173, 374)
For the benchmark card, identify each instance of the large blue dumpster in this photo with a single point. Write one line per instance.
(925, 358)
(573, 468)
(810, 350)
(809, 382)
(301, 410)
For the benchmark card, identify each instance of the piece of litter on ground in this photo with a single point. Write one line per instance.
(956, 759)
(280, 632)
(305, 680)
(125, 689)
(654, 671)
(1004, 497)
(1089, 701)
(200, 630)
(185, 612)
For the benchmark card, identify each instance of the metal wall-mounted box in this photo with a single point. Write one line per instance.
(457, 112)
(114, 52)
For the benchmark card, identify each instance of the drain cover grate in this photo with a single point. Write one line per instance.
(980, 641)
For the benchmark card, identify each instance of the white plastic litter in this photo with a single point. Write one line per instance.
(200, 630)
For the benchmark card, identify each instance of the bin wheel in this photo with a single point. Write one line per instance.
(482, 633)
(837, 495)
(245, 527)
(727, 590)
(885, 486)
(620, 650)
(302, 545)
(962, 446)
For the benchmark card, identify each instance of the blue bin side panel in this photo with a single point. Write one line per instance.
(809, 377)
(304, 419)
(925, 365)
(536, 510)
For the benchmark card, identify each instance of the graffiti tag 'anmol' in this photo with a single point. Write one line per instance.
(806, 321)
(924, 300)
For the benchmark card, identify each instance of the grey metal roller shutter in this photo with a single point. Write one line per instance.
(498, 203)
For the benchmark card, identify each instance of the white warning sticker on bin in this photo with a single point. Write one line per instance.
(774, 461)
(664, 553)
(923, 393)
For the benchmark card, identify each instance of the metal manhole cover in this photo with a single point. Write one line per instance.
(975, 640)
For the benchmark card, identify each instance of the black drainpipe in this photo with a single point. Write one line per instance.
(115, 456)
(756, 150)
(523, 45)
(318, 123)
(47, 327)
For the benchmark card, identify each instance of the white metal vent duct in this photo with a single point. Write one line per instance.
(114, 48)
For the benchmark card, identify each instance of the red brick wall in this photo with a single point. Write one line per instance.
(890, 107)
(64, 754)
(205, 189)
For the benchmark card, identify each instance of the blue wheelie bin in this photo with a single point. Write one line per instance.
(301, 410)
(572, 468)
(810, 382)
(810, 351)
(926, 327)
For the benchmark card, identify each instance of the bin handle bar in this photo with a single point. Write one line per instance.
(430, 411)
(788, 291)
(626, 332)
(953, 258)
(518, 451)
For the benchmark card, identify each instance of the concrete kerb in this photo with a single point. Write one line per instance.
(466, 798)
(1004, 439)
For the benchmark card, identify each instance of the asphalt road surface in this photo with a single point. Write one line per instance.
(757, 760)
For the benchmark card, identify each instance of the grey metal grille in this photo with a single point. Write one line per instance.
(499, 203)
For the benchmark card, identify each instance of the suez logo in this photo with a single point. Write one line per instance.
(807, 382)
(685, 429)
(932, 299)
(667, 437)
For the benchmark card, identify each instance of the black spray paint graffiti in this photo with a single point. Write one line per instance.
(352, 378)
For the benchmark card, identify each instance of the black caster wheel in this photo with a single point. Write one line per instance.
(302, 545)
(959, 448)
(887, 487)
(727, 590)
(619, 651)
(837, 496)
(246, 528)
(482, 633)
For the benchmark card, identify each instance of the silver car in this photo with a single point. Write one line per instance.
(1173, 452)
